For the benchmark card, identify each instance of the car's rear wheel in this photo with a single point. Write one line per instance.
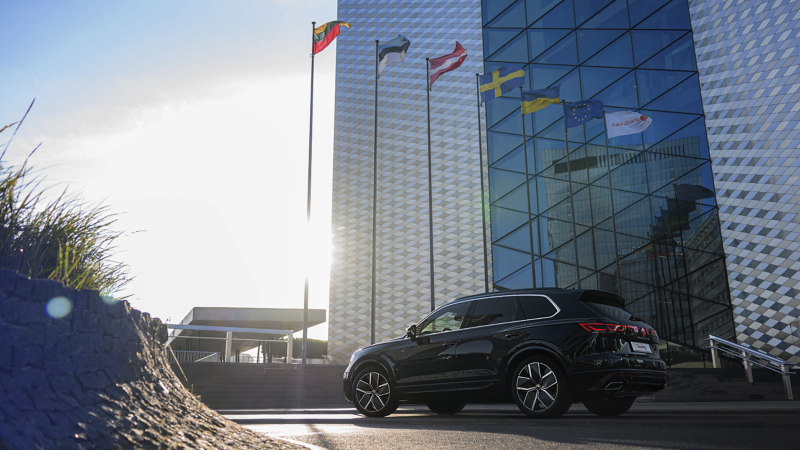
(540, 388)
(609, 406)
(445, 407)
(372, 393)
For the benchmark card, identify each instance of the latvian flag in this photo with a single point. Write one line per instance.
(447, 63)
(325, 34)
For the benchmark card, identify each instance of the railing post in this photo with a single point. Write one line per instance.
(787, 383)
(289, 345)
(714, 355)
(228, 344)
(748, 368)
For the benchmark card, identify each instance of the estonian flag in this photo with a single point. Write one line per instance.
(325, 34)
(393, 50)
(533, 101)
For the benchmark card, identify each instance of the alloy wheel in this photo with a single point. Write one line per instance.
(537, 386)
(372, 391)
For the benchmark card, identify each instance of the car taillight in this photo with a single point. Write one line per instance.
(630, 330)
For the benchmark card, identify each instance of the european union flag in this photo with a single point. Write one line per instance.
(581, 112)
(500, 81)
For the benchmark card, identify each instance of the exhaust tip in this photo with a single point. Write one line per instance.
(614, 386)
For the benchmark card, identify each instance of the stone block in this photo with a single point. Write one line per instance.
(32, 312)
(55, 331)
(21, 401)
(44, 290)
(30, 356)
(9, 309)
(8, 281)
(24, 287)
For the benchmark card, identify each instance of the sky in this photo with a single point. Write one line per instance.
(190, 120)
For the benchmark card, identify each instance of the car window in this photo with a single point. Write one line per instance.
(446, 319)
(613, 312)
(494, 310)
(536, 307)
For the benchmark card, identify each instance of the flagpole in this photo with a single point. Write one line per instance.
(483, 201)
(571, 200)
(528, 189)
(374, 197)
(308, 200)
(430, 177)
(613, 211)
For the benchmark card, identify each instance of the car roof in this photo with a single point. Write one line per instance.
(597, 296)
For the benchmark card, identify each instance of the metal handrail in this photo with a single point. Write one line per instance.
(750, 356)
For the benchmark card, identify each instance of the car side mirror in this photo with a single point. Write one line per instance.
(411, 332)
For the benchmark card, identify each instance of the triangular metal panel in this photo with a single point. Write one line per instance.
(617, 54)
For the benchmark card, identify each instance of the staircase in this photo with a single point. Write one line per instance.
(722, 385)
(264, 386)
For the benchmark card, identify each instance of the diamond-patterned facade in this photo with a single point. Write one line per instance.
(403, 272)
(638, 216)
(748, 54)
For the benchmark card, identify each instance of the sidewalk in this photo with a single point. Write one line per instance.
(500, 411)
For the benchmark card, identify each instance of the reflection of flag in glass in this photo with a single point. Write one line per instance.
(533, 101)
(393, 50)
(581, 112)
(501, 81)
(446, 63)
(325, 34)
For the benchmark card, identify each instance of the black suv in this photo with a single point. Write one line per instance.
(542, 348)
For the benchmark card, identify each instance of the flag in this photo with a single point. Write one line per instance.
(393, 50)
(501, 81)
(533, 101)
(626, 122)
(693, 192)
(447, 63)
(325, 34)
(581, 112)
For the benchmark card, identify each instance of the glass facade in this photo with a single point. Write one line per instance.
(637, 216)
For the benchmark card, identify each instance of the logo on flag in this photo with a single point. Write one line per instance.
(581, 112)
(447, 63)
(626, 122)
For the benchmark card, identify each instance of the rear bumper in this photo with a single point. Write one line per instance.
(617, 383)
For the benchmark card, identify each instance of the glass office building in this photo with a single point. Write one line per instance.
(637, 216)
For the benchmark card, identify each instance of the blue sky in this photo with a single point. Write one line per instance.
(190, 119)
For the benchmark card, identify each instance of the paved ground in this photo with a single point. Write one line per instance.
(751, 425)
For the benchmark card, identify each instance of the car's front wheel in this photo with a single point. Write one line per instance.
(540, 388)
(445, 407)
(373, 393)
(608, 407)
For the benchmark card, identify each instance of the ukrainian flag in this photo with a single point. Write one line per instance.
(501, 81)
(533, 101)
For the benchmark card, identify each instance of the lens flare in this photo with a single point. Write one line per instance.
(109, 300)
(58, 307)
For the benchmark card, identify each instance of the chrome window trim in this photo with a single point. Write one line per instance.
(558, 310)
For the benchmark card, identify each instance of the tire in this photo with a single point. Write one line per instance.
(372, 393)
(540, 388)
(446, 408)
(609, 407)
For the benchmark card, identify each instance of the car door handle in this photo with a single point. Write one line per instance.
(448, 344)
(514, 334)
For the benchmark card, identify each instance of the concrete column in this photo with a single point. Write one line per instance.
(228, 344)
(289, 345)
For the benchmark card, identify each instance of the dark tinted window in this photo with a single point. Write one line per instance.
(536, 307)
(494, 310)
(613, 312)
(447, 319)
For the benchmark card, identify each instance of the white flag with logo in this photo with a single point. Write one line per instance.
(626, 122)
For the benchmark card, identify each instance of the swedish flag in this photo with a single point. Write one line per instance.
(500, 81)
